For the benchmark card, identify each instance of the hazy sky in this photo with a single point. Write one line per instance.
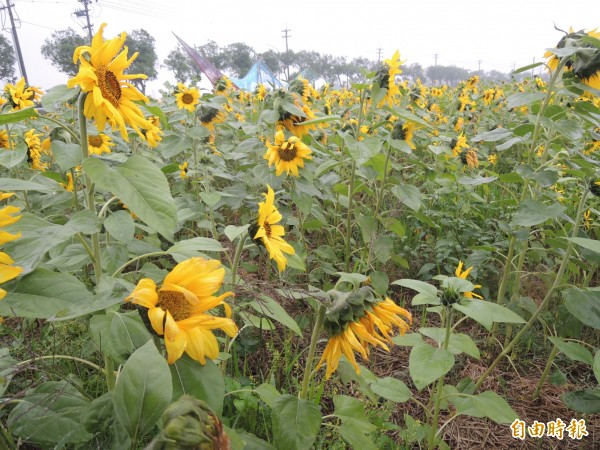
(468, 33)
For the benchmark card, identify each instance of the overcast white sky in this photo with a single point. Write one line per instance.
(496, 35)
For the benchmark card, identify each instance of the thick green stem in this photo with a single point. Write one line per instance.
(553, 354)
(311, 352)
(350, 215)
(546, 300)
(440, 383)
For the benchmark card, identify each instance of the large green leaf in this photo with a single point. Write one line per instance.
(142, 187)
(189, 248)
(42, 294)
(296, 423)
(356, 438)
(426, 364)
(17, 116)
(459, 342)
(584, 305)
(427, 293)
(486, 313)
(585, 401)
(533, 212)
(50, 413)
(10, 159)
(352, 412)
(7, 369)
(409, 195)
(57, 95)
(143, 391)
(597, 366)
(487, 404)
(120, 225)
(391, 389)
(590, 244)
(204, 382)
(66, 155)
(573, 350)
(269, 307)
(14, 184)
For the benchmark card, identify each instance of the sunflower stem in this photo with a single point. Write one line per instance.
(440, 382)
(349, 217)
(555, 285)
(137, 258)
(311, 352)
(553, 354)
(88, 186)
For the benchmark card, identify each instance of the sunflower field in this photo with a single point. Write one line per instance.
(390, 265)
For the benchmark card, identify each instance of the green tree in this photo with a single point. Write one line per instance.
(147, 60)
(7, 59)
(450, 74)
(59, 48)
(184, 69)
(213, 53)
(273, 61)
(239, 58)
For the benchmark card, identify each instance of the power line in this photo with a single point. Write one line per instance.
(86, 12)
(287, 52)
(16, 40)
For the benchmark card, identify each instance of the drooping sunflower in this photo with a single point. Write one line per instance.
(358, 321)
(295, 123)
(99, 144)
(469, 158)
(287, 155)
(210, 116)
(464, 274)
(187, 98)
(386, 78)
(34, 151)
(183, 169)
(458, 145)
(21, 95)
(222, 86)
(267, 232)
(178, 310)
(403, 131)
(4, 140)
(111, 97)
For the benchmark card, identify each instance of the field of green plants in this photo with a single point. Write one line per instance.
(390, 265)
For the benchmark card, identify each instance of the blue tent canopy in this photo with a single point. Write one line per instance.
(259, 73)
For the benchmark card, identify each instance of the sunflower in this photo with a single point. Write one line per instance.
(111, 97)
(34, 151)
(178, 309)
(4, 140)
(8, 217)
(469, 158)
(404, 132)
(184, 169)
(356, 325)
(99, 144)
(295, 124)
(152, 135)
(260, 92)
(21, 95)
(493, 159)
(464, 274)
(287, 155)
(386, 78)
(210, 116)
(458, 144)
(222, 86)
(187, 98)
(269, 233)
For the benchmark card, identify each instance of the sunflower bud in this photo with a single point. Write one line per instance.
(189, 424)
(450, 296)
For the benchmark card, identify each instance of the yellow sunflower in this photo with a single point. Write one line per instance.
(464, 274)
(99, 144)
(287, 155)
(184, 169)
(21, 95)
(269, 233)
(111, 97)
(7, 271)
(458, 145)
(4, 140)
(34, 151)
(404, 132)
(386, 78)
(187, 98)
(210, 116)
(223, 86)
(373, 328)
(295, 124)
(8, 217)
(178, 309)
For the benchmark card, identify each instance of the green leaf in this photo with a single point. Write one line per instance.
(487, 313)
(143, 391)
(523, 98)
(43, 294)
(596, 366)
(204, 382)
(233, 232)
(11, 158)
(355, 279)
(14, 184)
(408, 339)
(459, 342)
(584, 305)
(128, 333)
(573, 350)
(267, 393)
(295, 261)
(142, 187)
(50, 413)
(66, 155)
(58, 95)
(324, 119)
(120, 225)
(417, 285)
(391, 389)
(426, 364)
(496, 134)
(495, 407)
(190, 247)
(409, 195)
(476, 180)
(249, 441)
(585, 401)
(356, 438)
(7, 369)
(532, 212)
(17, 116)
(352, 412)
(172, 144)
(296, 423)
(270, 308)
(590, 244)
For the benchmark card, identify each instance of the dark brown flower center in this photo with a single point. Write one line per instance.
(188, 99)
(267, 227)
(175, 303)
(287, 151)
(109, 86)
(95, 141)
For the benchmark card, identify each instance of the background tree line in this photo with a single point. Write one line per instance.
(235, 59)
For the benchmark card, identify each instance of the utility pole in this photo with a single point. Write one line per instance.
(86, 12)
(287, 52)
(533, 68)
(16, 40)
(479, 66)
(379, 50)
(435, 59)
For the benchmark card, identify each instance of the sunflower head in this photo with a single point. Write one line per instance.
(287, 154)
(21, 95)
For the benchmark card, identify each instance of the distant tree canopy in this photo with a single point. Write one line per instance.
(451, 74)
(182, 66)
(143, 43)
(7, 59)
(59, 48)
